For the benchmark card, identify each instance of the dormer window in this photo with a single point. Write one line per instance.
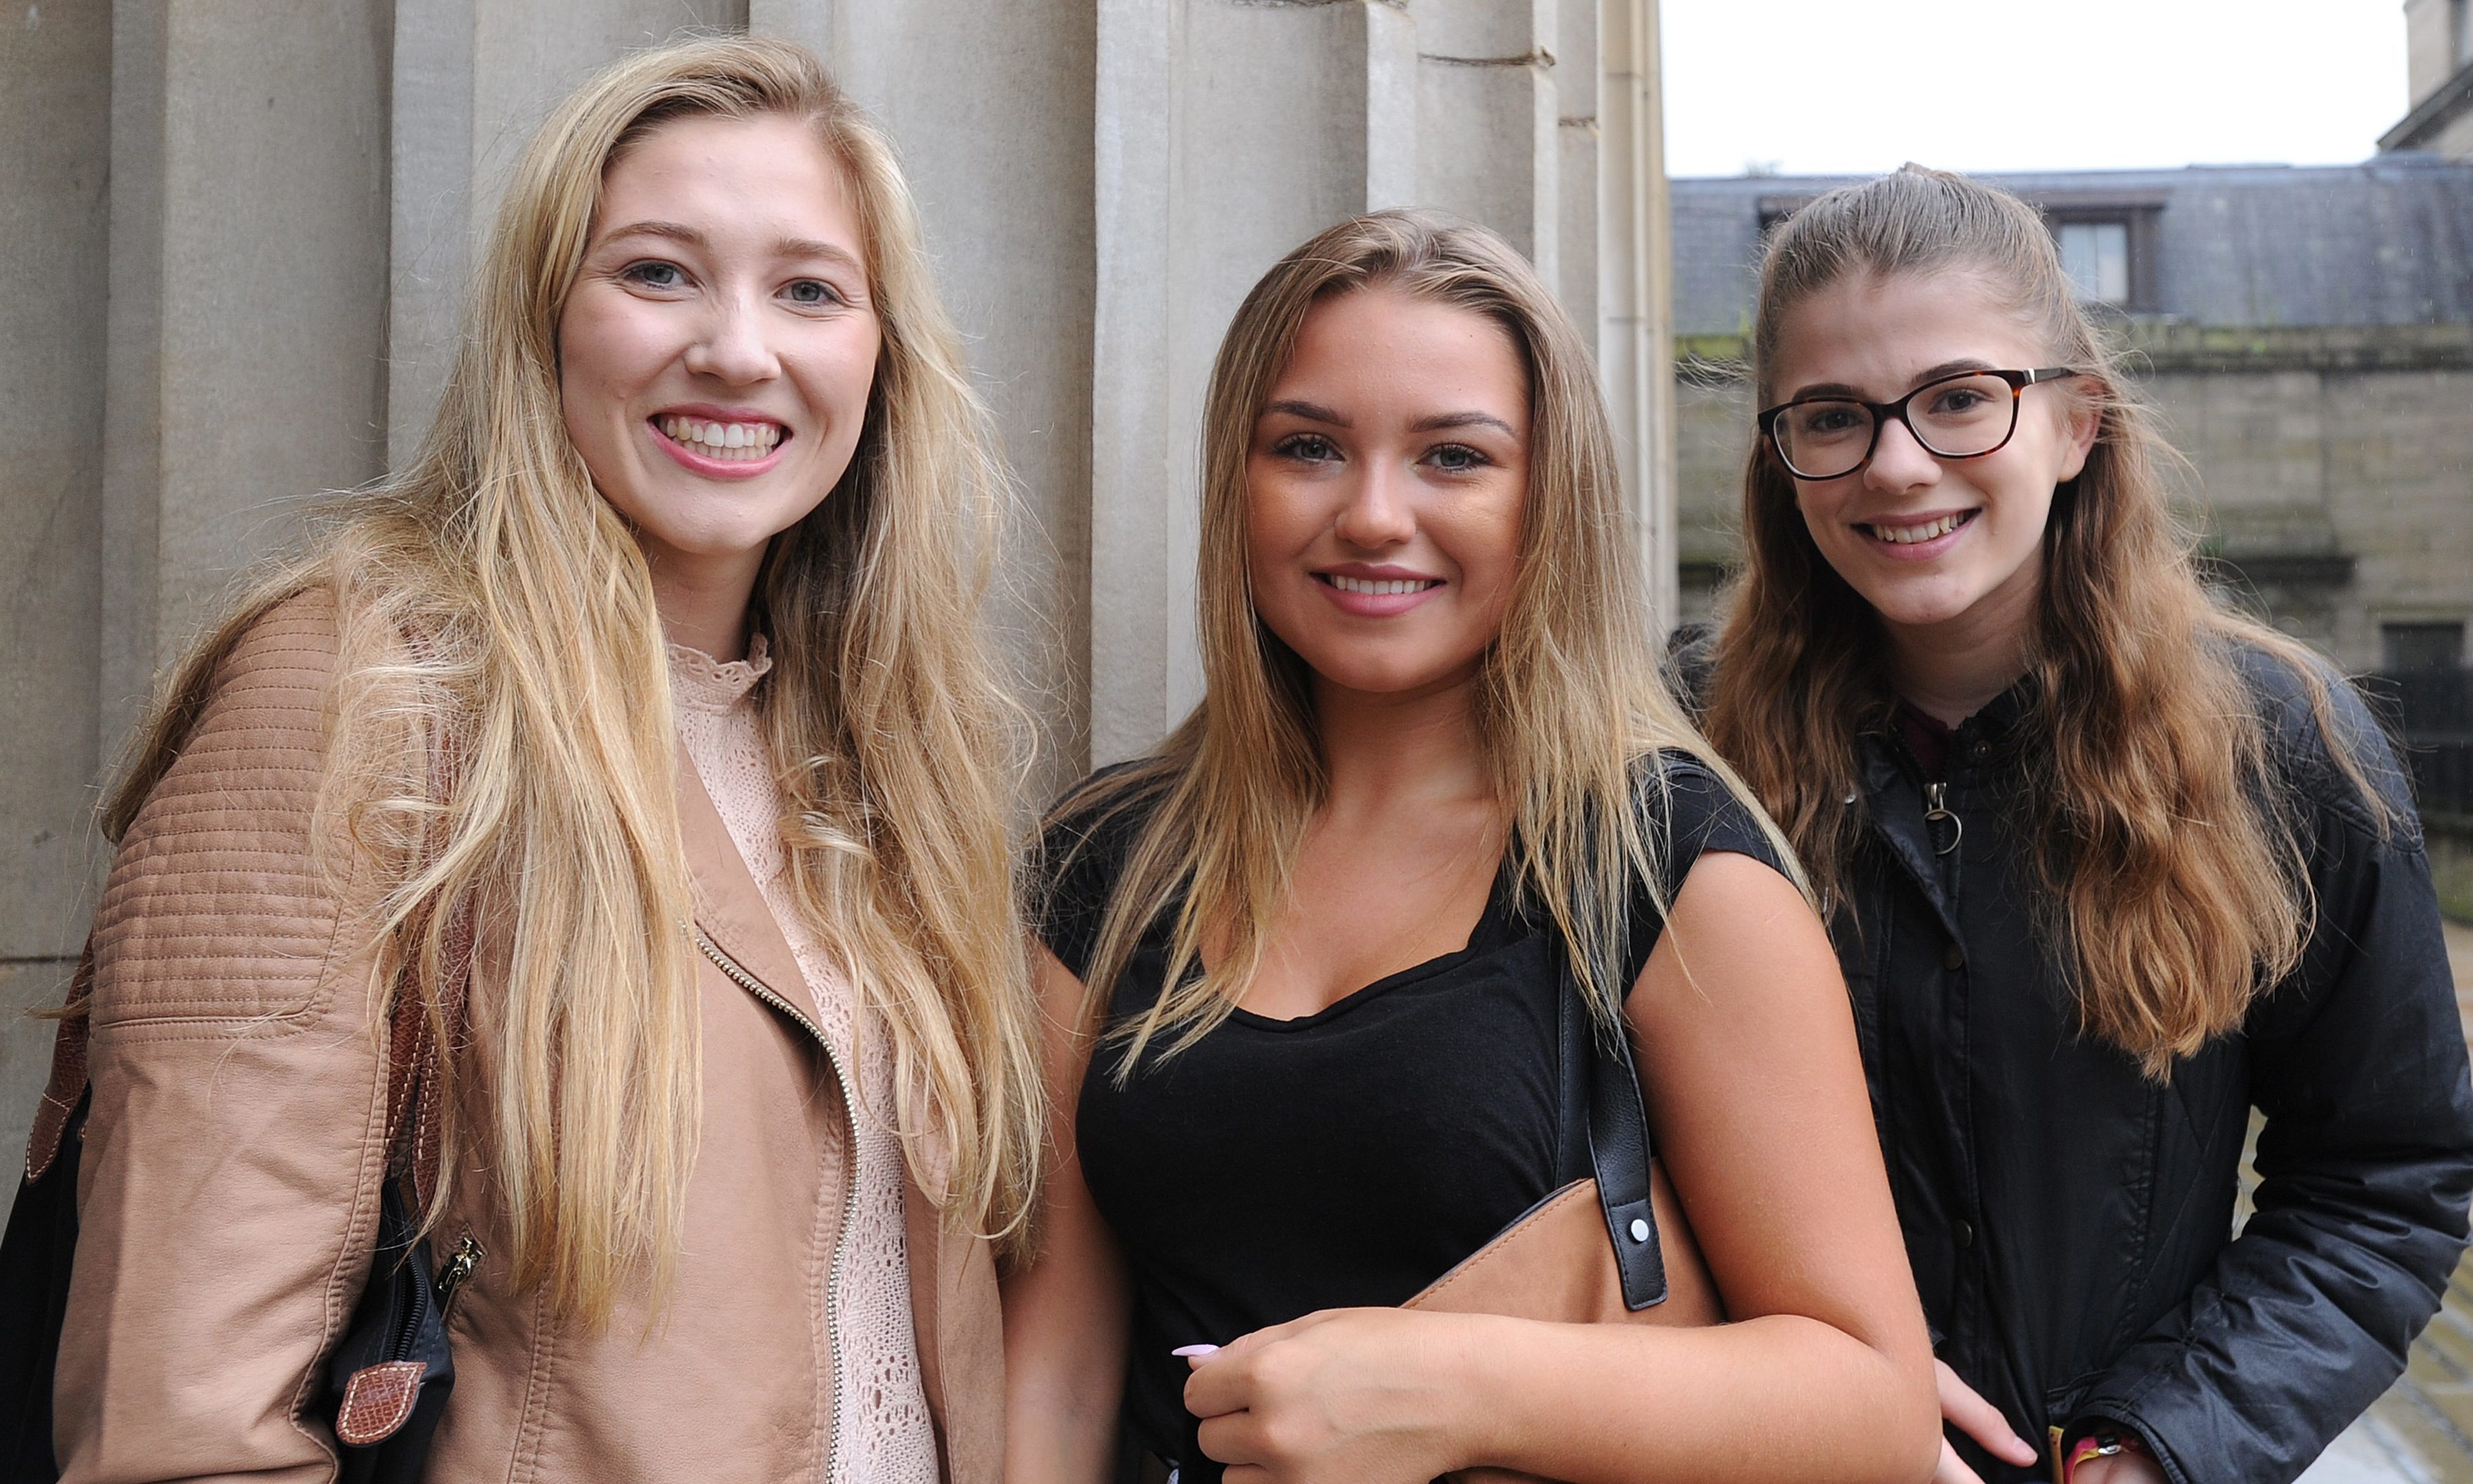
(2097, 256)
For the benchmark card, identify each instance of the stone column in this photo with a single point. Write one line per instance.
(989, 105)
(56, 112)
(1227, 134)
(1488, 108)
(248, 301)
(1635, 270)
(1578, 208)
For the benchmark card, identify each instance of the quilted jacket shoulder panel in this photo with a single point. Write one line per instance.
(216, 908)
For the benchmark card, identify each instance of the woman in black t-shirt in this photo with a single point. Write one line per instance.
(1303, 963)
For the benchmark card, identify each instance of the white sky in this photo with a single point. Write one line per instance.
(1851, 86)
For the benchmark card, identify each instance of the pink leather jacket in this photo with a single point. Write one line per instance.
(230, 1181)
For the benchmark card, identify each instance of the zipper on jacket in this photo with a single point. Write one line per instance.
(452, 1277)
(732, 971)
(1936, 810)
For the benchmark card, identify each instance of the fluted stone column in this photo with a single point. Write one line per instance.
(54, 218)
(1490, 82)
(247, 301)
(989, 106)
(1228, 134)
(1635, 274)
(1578, 188)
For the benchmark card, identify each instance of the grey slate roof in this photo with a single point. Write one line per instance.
(2386, 242)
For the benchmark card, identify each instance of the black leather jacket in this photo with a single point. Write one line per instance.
(2071, 1222)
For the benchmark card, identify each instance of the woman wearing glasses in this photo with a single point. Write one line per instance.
(2107, 865)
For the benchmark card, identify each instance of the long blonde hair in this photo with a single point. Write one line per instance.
(2174, 879)
(497, 610)
(1569, 701)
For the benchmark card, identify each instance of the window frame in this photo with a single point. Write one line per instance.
(2390, 626)
(2136, 214)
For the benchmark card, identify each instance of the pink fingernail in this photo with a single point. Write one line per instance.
(1193, 1352)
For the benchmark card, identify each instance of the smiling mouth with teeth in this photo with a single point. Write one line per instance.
(727, 441)
(1908, 536)
(1381, 587)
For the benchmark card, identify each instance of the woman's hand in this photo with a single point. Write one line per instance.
(1982, 1422)
(1358, 1396)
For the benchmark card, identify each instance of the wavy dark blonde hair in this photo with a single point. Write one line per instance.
(497, 610)
(1570, 698)
(2174, 879)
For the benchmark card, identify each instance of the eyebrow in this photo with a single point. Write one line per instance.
(1462, 419)
(1965, 363)
(785, 247)
(1312, 412)
(1315, 412)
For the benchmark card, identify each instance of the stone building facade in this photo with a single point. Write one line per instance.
(238, 236)
(2307, 335)
(2438, 64)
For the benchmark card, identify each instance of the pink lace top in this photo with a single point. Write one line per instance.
(884, 1434)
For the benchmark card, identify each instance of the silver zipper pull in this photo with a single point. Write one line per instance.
(1937, 809)
(454, 1274)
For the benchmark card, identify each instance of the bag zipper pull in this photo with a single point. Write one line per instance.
(452, 1277)
(1937, 809)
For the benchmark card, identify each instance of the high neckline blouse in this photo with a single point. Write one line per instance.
(698, 682)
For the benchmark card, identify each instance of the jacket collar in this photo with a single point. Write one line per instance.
(1883, 753)
(1894, 791)
(732, 912)
(729, 907)
(2004, 712)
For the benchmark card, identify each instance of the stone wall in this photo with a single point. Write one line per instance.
(250, 227)
(2427, 47)
(55, 110)
(2454, 139)
(2438, 80)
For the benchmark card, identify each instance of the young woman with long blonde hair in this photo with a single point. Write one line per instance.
(1301, 964)
(649, 703)
(2109, 867)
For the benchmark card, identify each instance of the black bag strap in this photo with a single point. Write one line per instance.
(1601, 1086)
(60, 1115)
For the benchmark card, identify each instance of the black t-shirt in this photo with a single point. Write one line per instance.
(1346, 1158)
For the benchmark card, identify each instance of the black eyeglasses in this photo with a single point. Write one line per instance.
(1964, 415)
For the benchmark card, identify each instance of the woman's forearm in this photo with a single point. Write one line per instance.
(1781, 1396)
(1065, 1380)
(1067, 1307)
(1059, 1429)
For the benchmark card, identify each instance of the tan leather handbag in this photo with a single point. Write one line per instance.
(1610, 1246)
